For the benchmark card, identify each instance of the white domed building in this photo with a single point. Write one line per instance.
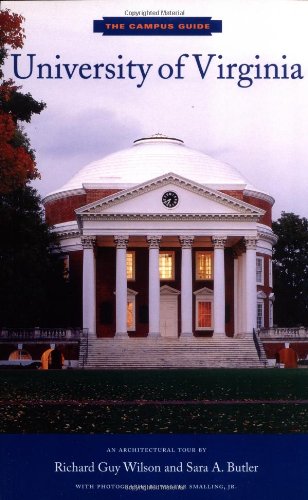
(167, 246)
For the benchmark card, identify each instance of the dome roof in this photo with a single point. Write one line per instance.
(151, 157)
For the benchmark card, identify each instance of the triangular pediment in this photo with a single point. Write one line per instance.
(168, 290)
(130, 292)
(191, 199)
(204, 292)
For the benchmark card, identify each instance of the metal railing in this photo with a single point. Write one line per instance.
(294, 333)
(256, 342)
(28, 334)
(260, 348)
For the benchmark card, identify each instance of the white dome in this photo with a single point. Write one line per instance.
(152, 157)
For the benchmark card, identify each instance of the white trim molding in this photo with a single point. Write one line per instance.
(131, 297)
(260, 270)
(164, 180)
(204, 294)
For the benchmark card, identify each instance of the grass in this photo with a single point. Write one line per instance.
(179, 401)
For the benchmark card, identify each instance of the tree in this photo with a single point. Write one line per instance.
(33, 291)
(17, 159)
(290, 258)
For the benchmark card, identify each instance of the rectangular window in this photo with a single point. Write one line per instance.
(130, 265)
(204, 315)
(270, 273)
(130, 315)
(260, 315)
(166, 265)
(204, 265)
(260, 270)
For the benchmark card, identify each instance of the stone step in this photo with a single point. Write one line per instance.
(148, 353)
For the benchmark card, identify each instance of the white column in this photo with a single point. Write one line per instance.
(121, 285)
(154, 286)
(186, 285)
(244, 301)
(235, 293)
(89, 284)
(242, 293)
(219, 284)
(251, 284)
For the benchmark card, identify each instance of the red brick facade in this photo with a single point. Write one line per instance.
(256, 202)
(70, 351)
(63, 209)
(105, 288)
(272, 349)
(265, 205)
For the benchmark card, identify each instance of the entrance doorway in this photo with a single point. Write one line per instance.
(52, 358)
(169, 312)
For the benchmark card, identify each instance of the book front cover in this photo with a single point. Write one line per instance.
(173, 134)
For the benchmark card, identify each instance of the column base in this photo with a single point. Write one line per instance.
(186, 334)
(92, 335)
(219, 334)
(122, 335)
(241, 335)
(153, 335)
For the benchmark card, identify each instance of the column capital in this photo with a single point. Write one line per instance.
(153, 241)
(186, 241)
(219, 241)
(121, 241)
(88, 241)
(251, 242)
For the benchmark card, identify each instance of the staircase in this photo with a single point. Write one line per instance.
(146, 353)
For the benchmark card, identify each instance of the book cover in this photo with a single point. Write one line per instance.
(174, 133)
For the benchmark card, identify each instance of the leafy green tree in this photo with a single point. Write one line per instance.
(290, 260)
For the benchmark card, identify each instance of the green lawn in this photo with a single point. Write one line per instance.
(181, 401)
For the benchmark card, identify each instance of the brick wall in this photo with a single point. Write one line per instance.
(97, 194)
(105, 288)
(229, 284)
(265, 205)
(272, 348)
(63, 209)
(235, 193)
(36, 350)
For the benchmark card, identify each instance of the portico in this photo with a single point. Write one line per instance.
(181, 254)
(182, 299)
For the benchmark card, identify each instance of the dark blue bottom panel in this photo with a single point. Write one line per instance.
(153, 466)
